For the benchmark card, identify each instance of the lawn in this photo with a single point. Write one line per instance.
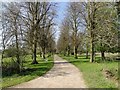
(94, 73)
(32, 72)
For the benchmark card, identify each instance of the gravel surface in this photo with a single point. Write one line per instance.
(62, 75)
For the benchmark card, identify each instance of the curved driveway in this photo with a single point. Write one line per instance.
(62, 75)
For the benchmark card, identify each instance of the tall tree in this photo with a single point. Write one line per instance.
(12, 19)
(39, 19)
(46, 30)
(64, 42)
(75, 23)
(91, 27)
(107, 31)
(101, 27)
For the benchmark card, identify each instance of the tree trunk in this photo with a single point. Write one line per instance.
(91, 27)
(86, 54)
(2, 57)
(40, 54)
(102, 50)
(102, 55)
(92, 56)
(68, 50)
(35, 29)
(34, 53)
(17, 49)
(34, 48)
(40, 49)
(43, 53)
(75, 52)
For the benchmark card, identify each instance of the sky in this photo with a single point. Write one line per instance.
(61, 9)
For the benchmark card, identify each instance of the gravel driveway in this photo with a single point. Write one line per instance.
(62, 75)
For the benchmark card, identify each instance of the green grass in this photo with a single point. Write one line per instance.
(34, 71)
(93, 72)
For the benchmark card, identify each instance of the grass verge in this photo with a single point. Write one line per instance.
(93, 73)
(33, 71)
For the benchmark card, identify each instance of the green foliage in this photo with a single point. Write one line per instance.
(113, 50)
(9, 67)
(99, 48)
(11, 52)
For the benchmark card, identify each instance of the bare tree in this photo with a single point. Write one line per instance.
(12, 20)
(46, 27)
(39, 19)
(64, 39)
(75, 23)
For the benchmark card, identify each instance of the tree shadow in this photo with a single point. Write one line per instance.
(34, 71)
(30, 69)
(78, 61)
(61, 62)
(107, 59)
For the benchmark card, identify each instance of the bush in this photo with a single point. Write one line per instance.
(10, 68)
(11, 52)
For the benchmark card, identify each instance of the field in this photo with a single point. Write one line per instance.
(31, 72)
(100, 74)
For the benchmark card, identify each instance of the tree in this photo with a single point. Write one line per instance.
(91, 27)
(39, 19)
(46, 30)
(12, 30)
(75, 23)
(106, 27)
(102, 27)
(64, 42)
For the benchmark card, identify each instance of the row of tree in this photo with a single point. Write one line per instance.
(28, 27)
(90, 27)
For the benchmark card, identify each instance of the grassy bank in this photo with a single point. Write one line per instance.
(31, 72)
(94, 74)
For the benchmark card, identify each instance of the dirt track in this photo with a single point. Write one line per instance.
(62, 75)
